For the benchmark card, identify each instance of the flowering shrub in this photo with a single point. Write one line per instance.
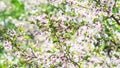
(59, 34)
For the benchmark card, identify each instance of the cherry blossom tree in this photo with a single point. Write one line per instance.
(59, 33)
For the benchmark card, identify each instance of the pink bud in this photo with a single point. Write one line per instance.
(111, 2)
(105, 1)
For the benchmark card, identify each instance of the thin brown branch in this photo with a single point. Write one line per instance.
(34, 54)
(71, 59)
(115, 19)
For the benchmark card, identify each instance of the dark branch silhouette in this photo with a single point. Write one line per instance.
(115, 19)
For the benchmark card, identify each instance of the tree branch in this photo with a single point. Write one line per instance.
(115, 19)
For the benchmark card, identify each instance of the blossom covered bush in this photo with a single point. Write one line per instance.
(59, 34)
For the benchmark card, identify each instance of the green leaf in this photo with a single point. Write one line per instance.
(16, 10)
(103, 46)
(9, 25)
(86, 57)
(1, 49)
(115, 9)
(55, 40)
(17, 4)
(82, 23)
(52, 66)
(3, 66)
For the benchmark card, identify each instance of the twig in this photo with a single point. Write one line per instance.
(115, 19)
(34, 54)
(69, 58)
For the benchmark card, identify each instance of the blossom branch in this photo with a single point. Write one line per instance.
(112, 16)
